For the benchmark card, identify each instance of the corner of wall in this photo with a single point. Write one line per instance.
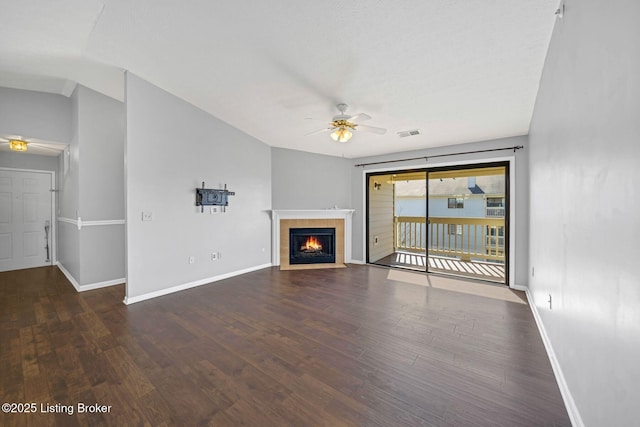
(570, 404)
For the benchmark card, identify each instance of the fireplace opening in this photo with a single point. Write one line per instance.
(312, 245)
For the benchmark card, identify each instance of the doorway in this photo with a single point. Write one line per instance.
(396, 219)
(26, 228)
(450, 220)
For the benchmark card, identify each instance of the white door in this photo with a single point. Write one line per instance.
(25, 210)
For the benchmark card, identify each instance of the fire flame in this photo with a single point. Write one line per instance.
(312, 244)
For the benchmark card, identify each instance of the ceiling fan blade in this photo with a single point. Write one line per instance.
(319, 131)
(359, 118)
(372, 129)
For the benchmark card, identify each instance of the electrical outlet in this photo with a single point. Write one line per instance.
(192, 259)
(214, 256)
(147, 216)
(376, 240)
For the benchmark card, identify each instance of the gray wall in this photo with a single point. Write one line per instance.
(69, 249)
(101, 189)
(101, 134)
(309, 181)
(70, 180)
(103, 254)
(521, 190)
(585, 206)
(171, 147)
(68, 196)
(28, 161)
(35, 115)
(93, 189)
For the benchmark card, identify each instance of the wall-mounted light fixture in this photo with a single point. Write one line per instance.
(17, 145)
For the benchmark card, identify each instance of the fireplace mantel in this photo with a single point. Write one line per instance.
(278, 215)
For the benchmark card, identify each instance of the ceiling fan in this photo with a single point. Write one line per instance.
(20, 144)
(343, 125)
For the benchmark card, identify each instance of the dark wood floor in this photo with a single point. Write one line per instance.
(274, 348)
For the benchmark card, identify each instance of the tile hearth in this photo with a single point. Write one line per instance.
(284, 220)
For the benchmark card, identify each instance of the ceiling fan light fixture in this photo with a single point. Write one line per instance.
(17, 145)
(341, 134)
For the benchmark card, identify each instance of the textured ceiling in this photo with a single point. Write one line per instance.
(458, 70)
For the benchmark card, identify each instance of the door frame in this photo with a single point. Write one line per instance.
(53, 231)
(510, 184)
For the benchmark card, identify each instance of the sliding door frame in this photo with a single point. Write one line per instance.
(510, 201)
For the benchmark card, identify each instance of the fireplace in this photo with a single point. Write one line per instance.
(284, 220)
(312, 245)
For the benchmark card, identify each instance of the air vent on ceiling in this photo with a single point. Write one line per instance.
(406, 133)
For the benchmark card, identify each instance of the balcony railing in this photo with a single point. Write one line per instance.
(464, 238)
(494, 212)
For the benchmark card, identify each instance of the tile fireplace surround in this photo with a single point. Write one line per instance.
(282, 220)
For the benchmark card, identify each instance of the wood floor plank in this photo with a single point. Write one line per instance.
(130, 376)
(336, 347)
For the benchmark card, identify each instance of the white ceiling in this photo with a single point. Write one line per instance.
(458, 70)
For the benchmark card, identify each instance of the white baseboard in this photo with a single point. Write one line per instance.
(104, 284)
(205, 281)
(69, 277)
(90, 286)
(356, 261)
(522, 288)
(570, 404)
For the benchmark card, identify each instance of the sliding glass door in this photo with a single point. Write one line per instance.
(450, 220)
(467, 221)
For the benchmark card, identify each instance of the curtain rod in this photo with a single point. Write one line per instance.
(514, 148)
